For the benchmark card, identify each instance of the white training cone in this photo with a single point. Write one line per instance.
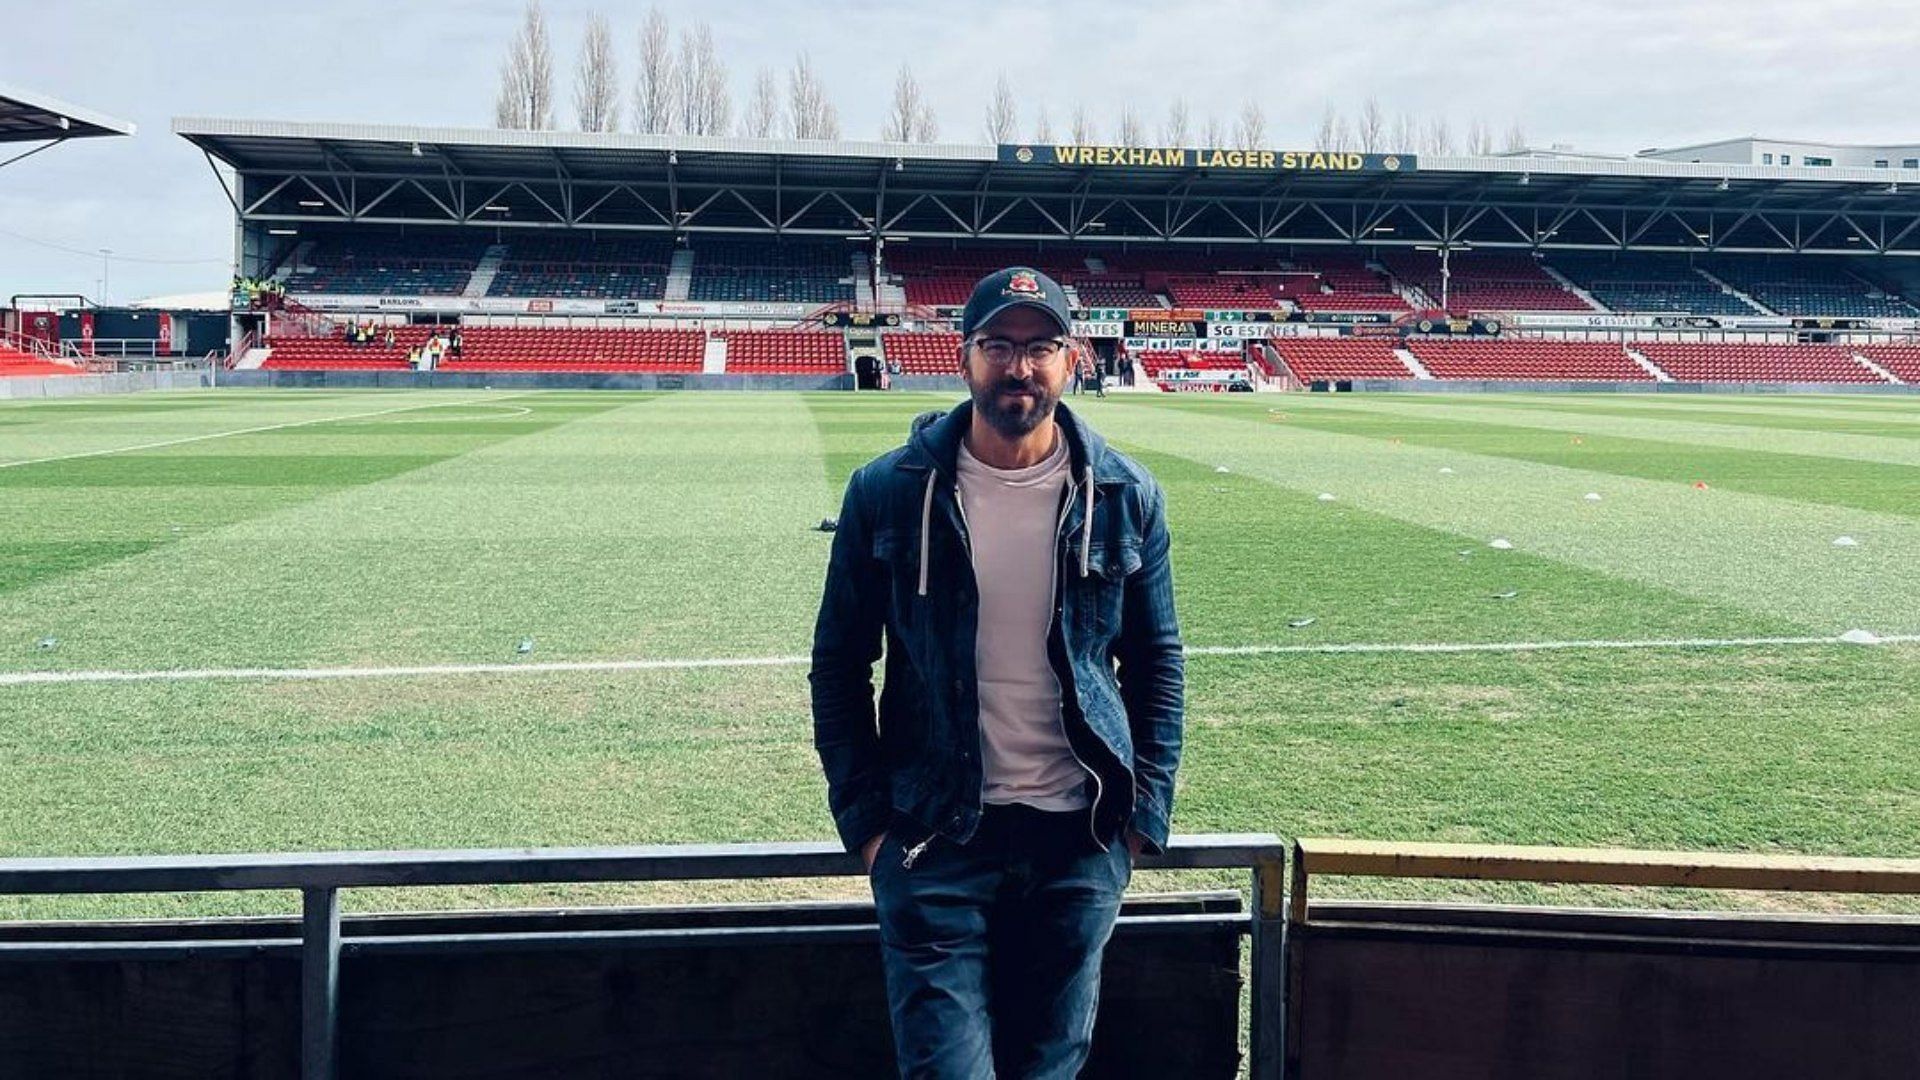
(1501, 543)
(1221, 468)
(1857, 636)
(1592, 496)
(1325, 496)
(1845, 541)
(1446, 470)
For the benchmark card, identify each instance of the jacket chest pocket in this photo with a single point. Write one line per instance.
(1101, 593)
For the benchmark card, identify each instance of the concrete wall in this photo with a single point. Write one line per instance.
(61, 386)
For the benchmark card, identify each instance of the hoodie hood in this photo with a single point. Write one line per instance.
(934, 444)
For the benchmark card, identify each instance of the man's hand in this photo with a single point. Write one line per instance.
(872, 848)
(1134, 841)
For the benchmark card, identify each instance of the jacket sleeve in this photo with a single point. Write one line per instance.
(1152, 676)
(846, 643)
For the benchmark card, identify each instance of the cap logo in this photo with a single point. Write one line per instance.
(1024, 282)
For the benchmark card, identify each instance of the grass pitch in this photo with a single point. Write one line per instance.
(288, 529)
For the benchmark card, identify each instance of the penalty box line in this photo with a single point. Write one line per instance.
(42, 678)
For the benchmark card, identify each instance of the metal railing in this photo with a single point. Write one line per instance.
(320, 876)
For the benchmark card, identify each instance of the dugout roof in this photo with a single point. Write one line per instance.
(317, 173)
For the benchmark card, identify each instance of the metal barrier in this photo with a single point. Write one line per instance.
(1386, 989)
(320, 876)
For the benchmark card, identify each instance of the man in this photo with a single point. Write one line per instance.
(1009, 560)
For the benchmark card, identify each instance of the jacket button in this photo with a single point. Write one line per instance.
(959, 686)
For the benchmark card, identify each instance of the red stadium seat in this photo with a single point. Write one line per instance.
(1317, 359)
(1526, 359)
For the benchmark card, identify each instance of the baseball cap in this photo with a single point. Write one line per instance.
(1016, 286)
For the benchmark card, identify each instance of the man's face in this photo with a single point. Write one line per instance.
(1017, 398)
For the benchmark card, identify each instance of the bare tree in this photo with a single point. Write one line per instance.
(705, 105)
(1251, 130)
(1002, 114)
(1212, 135)
(1323, 135)
(653, 87)
(525, 100)
(763, 108)
(810, 114)
(1174, 132)
(1439, 137)
(1405, 138)
(1042, 125)
(1479, 137)
(1372, 131)
(1516, 140)
(911, 118)
(1132, 132)
(1083, 131)
(596, 95)
(1343, 136)
(506, 102)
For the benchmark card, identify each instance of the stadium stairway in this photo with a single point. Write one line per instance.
(1573, 287)
(1735, 293)
(485, 270)
(1876, 368)
(679, 275)
(1651, 368)
(1413, 362)
(714, 360)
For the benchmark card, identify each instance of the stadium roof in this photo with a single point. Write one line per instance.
(28, 117)
(318, 172)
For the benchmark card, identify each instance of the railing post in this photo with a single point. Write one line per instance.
(1267, 1012)
(319, 981)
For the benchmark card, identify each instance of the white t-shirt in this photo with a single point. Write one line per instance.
(1012, 517)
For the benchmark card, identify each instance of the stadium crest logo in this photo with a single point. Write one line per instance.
(1391, 163)
(1023, 281)
(1024, 155)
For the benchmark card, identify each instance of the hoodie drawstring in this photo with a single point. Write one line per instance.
(1086, 526)
(926, 523)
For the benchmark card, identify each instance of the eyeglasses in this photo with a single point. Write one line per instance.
(1040, 352)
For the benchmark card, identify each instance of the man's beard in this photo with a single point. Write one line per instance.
(1013, 417)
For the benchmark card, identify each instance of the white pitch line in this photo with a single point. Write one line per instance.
(42, 678)
(244, 431)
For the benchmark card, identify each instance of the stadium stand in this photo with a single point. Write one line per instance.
(794, 271)
(1526, 359)
(1113, 293)
(1647, 283)
(1155, 361)
(922, 354)
(16, 363)
(1318, 359)
(784, 352)
(1814, 287)
(528, 349)
(1221, 291)
(1902, 360)
(1345, 283)
(584, 267)
(389, 264)
(1739, 362)
(1485, 281)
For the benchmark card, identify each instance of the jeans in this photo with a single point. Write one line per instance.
(992, 949)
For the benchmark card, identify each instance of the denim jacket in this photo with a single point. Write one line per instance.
(901, 573)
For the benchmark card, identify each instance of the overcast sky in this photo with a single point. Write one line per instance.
(1616, 76)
